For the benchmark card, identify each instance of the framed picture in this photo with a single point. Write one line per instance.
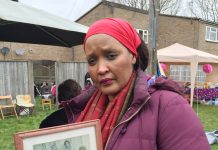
(76, 136)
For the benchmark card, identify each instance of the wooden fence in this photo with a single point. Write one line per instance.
(70, 70)
(16, 77)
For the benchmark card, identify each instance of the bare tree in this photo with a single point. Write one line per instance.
(171, 7)
(205, 9)
(141, 4)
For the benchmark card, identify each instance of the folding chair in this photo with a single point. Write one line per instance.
(24, 104)
(6, 105)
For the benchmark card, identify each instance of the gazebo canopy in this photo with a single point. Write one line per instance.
(180, 53)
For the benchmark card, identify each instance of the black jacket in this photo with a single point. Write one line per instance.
(55, 119)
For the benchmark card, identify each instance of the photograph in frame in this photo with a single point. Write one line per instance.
(77, 136)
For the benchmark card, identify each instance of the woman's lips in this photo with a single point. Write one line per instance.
(106, 81)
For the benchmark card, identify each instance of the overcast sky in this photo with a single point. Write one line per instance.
(73, 9)
(70, 9)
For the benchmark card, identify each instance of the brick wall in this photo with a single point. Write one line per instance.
(177, 30)
(207, 46)
(36, 52)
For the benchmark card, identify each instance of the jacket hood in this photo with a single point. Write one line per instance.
(165, 84)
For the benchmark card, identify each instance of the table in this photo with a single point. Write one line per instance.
(206, 94)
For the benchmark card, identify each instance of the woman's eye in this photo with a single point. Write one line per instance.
(91, 61)
(111, 56)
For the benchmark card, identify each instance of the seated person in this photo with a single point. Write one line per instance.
(66, 91)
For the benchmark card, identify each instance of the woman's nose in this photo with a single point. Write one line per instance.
(102, 67)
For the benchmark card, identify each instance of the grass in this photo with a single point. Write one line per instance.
(208, 117)
(11, 125)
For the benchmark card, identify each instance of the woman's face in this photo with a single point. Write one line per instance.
(110, 64)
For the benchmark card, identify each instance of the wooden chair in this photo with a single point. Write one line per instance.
(46, 102)
(6, 104)
(24, 104)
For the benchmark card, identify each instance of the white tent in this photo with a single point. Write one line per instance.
(180, 53)
(69, 9)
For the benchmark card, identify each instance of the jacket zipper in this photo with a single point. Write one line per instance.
(136, 112)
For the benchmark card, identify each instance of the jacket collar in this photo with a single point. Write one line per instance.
(77, 104)
(140, 94)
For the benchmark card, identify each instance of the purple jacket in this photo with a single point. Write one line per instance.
(158, 118)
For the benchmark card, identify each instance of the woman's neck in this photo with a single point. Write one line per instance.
(111, 98)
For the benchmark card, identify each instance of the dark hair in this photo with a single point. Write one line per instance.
(65, 142)
(68, 89)
(143, 56)
(82, 148)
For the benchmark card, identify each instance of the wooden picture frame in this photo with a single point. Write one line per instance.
(81, 136)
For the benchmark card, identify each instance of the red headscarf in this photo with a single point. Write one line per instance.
(119, 29)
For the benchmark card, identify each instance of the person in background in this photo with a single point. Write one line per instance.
(36, 90)
(88, 82)
(44, 88)
(132, 114)
(53, 91)
(66, 91)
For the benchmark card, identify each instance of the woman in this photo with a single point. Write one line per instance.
(132, 115)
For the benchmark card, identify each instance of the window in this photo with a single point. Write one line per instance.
(143, 34)
(211, 34)
(183, 73)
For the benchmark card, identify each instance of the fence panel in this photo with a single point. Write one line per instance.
(16, 77)
(71, 70)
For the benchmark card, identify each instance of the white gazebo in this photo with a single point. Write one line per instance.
(180, 53)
